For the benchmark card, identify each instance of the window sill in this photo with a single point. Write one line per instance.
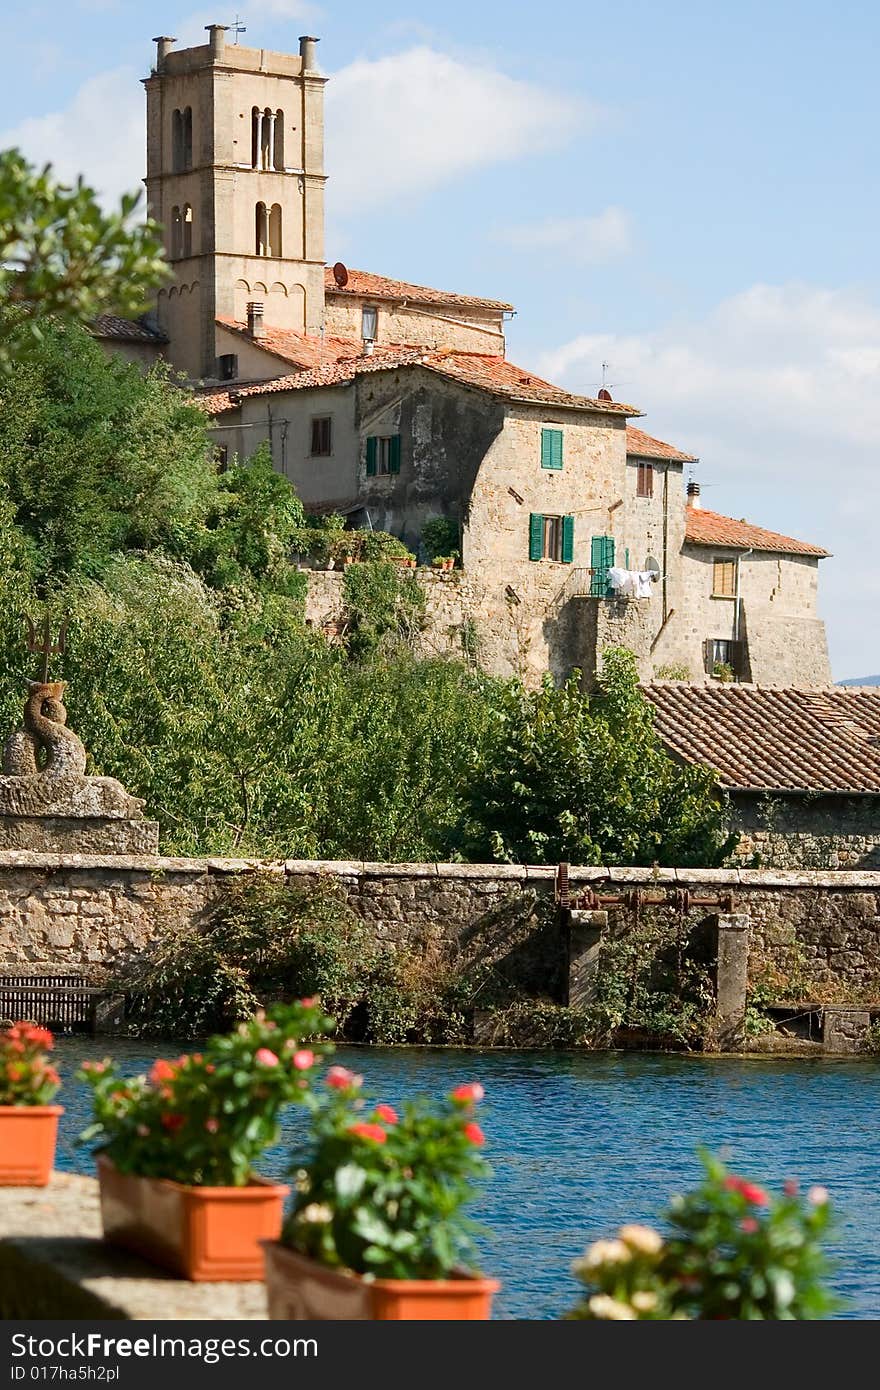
(725, 598)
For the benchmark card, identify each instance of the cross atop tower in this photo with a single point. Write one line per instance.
(237, 27)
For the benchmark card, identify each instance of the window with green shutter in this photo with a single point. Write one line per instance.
(372, 450)
(536, 537)
(567, 539)
(551, 448)
(601, 561)
(394, 454)
(383, 454)
(551, 538)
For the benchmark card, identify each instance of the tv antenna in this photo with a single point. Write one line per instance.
(238, 28)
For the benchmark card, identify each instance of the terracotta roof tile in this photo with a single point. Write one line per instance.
(485, 373)
(764, 740)
(643, 446)
(711, 528)
(125, 330)
(366, 285)
(302, 349)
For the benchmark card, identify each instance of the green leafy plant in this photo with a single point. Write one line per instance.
(724, 672)
(382, 605)
(26, 1075)
(205, 1118)
(733, 1251)
(384, 1194)
(673, 671)
(440, 538)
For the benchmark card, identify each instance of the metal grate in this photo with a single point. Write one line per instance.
(54, 1001)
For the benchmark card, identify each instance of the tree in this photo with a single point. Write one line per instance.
(62, 257)
(570, 777)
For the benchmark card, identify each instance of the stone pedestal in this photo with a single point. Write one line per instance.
(845, 1030)
(73, 814)
(731, 933)
(585, 931)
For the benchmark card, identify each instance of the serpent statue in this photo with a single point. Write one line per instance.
(44, 746)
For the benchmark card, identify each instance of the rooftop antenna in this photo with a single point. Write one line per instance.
(238, 28)
(605, 389)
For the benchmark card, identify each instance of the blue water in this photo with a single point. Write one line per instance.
(581, 1142)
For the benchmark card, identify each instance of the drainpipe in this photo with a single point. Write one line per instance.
(737, 604)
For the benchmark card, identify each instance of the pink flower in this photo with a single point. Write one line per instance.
(310, 1002)
(265, 1057)
(143, 1130)
(749, 1225)
(340, 1078)
(473, 1133)
(386, 1113)
(790, 1187)
(212, 1125)
(303, 1059)
(752, 1193)
(97, 1068)
(817, 1196)
(364, 1130)
(469, 1093)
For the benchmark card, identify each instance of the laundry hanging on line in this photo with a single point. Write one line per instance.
(631, 583)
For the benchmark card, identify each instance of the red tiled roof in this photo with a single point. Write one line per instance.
(302, 349)
(366, 285)
(485, 373)
(643, 446)
(125, 330)
(785, 740)
(711, 528)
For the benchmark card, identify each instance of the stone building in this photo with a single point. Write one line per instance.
(394, 403)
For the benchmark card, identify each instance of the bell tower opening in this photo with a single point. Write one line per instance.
(235, 174)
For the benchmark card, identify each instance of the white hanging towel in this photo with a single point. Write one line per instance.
(630, 583)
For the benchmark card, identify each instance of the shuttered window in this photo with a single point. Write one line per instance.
(551, 538)
(322, 436)
(551, 448)
(383, 454)
(724, 579)
(601, 561)
(645, 480)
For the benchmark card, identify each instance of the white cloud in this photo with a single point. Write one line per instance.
(410, 122)
(100, 134)
(776, 391)
(587, 240)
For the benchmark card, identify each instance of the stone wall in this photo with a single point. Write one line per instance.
(824, 832)
(85, 914)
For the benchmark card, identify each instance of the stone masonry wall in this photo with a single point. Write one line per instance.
(828, 832)
(84, 914)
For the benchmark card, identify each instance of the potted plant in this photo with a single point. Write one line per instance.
(177, 1148)
(445, 562)
(28, 1122)
(733, 1252)
(378, 1229)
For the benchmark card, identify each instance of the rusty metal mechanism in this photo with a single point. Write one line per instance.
(679, 899)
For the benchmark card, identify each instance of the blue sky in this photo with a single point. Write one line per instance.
(687, 191)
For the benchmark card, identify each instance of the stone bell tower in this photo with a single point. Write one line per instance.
(235, 159)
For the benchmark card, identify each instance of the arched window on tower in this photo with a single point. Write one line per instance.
(279, 140)
(187, 136)
(175, 233)
(187, 231)
(261, 242)
(256, 136)
(275, 230)
(176, 140)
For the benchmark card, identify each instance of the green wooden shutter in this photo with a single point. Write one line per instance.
(601, 560)
(536, 537)
(372, 446)
(394, 454)
(551, 448)
(567, 539)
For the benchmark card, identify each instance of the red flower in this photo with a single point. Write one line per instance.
(161, 1070)
(473, 1132)
(265, 1057)
(310, 1002)
(212, 1125)
(303, 1059)
(173, 1122)
(752, 1193)
(16, 1071)
(749, 1225)
(340, 1078)
(364, 1130)
(386, 1113)
(468, 1093)
(96, 1067)
(52, 1075)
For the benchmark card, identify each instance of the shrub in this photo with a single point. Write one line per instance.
(440, 536)
(26, 1076)
(383, 605)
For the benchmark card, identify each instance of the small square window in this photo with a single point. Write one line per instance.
(722, 658)
(227, 366)
(724, 579)
(322, 436)
(645, 480)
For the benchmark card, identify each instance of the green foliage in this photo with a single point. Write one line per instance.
(569, 777)
(205, 1119)
(652, 981)
(26, 1076)
(733, 1252)
(383, 604)
(440, 536)
(724, 672)
(62, 257)
(253, 523)
(385, 1195)
(539, 1023)
(673, 671)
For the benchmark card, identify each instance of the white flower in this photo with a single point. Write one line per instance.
(818, 1196)
(642, 1238)
(602, 1305)
(316, 1214)
(603, 1252)
(644, 1301)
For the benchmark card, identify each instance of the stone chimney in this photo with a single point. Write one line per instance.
(255, 319)
(307, 53)
(217, 40)
(163, 48)
(693, 496)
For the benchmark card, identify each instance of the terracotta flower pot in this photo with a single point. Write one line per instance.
(299, 1289)
(201, 1233)
(27, 1144)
